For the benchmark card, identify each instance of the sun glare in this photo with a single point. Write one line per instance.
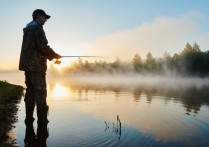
(59, 92)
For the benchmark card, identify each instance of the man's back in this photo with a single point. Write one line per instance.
(30, 58)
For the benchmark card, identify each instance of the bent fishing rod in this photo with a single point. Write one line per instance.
(58, 61)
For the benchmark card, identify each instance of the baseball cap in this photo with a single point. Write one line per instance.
(40, 12)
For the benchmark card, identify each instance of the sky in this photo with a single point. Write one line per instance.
(112, 28)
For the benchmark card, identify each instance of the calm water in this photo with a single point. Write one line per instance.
(89, 115)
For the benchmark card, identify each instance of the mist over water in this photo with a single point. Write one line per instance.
(128, 81)
(132, 81)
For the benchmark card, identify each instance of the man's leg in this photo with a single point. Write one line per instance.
(29, 98)
(40, 98)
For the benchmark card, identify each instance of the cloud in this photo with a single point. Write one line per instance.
(162, 34)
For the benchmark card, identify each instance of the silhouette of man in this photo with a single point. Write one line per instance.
(33, 60)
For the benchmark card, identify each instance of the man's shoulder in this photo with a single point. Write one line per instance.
(37, 29)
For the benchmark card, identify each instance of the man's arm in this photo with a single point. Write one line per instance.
(44, 48)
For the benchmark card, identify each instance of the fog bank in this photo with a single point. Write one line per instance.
(132, 81)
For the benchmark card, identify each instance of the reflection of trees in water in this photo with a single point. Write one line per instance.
(149, 98)
(191, 98)
(86, 91)
(137, 95)
(117, 92)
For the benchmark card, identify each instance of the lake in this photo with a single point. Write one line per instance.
(122, 111)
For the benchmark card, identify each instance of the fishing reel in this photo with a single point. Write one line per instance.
(57, 61)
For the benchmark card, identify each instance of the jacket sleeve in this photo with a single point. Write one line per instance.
(42, 45)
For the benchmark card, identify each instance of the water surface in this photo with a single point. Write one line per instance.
(123, 114)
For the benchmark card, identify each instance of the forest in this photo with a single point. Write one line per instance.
(190, 62)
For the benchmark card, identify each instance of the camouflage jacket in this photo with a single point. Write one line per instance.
(35, 50)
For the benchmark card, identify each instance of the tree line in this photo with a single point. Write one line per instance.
(191, 61)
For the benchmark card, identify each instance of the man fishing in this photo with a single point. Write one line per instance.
(33, 60)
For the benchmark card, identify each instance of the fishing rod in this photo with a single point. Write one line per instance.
(84, 56)
(58, 61)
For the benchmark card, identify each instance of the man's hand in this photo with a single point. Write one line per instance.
(57, 61)
(57, 56)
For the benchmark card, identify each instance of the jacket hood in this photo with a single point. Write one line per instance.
(32, 24)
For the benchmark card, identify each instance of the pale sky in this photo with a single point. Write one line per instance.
(106, 27)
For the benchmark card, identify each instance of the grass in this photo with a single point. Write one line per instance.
(10, 95)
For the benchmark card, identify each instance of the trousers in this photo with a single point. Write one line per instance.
(36, 91)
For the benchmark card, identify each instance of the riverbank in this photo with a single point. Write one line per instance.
(10, 96)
